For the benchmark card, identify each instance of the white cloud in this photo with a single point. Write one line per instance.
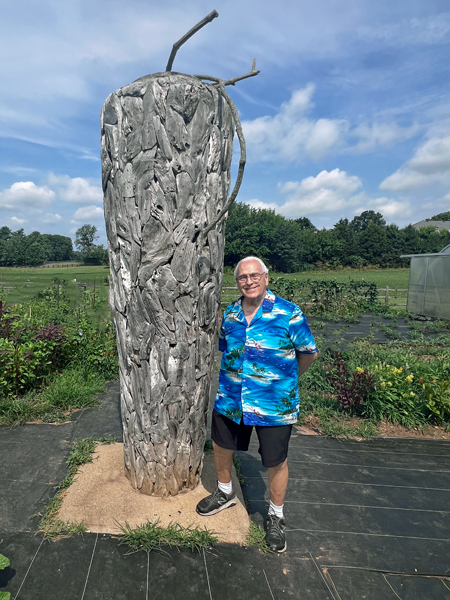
(18, 221)
(291, 135)
(392, 208)
(381, 134)
(388, 207)
(328, 192)
(18, 171)
(434, 29)
(430, 164)
(441, 203)
(255, 203)
(51, 218)
(331, 191)
(87, 213)
(77, 189)
(26, 194)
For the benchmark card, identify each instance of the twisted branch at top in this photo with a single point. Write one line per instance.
(189, 34)
(243, 158)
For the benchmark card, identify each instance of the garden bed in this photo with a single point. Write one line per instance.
(311, 425)
(55, 357)
(399, 388)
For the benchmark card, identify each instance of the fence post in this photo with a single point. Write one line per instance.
(386, 298)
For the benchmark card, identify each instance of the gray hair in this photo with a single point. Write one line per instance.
(263, 266)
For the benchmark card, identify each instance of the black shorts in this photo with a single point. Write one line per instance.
(273, 440)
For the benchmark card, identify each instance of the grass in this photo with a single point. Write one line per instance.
(69, 391)
(152, 536)
(394, 278)
(410, 386)
(237, 465)
(257, 536)
(147, 537)
(336, 425)
(51, 526)
(42, 279)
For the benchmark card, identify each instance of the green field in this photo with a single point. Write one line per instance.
(394, 278)
(26, 283)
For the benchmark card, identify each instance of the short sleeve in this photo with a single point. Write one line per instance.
(300, 333)
(222, 339)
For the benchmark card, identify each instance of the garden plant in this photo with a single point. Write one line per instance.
(403, 382)
(54, 356)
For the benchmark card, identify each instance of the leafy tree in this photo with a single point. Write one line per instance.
(85, 237)
(410, 242)
(61, 247)
(346, 241)
(5, 233)
(308, 243)
(372, 242)
(304, 223)
(36, 249)
(14, 249)
(284, 255)
(362, 221)
(249, 232)
(98, 255)
(445, 216)
(394, 248)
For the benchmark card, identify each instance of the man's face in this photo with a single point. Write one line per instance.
(252, 289)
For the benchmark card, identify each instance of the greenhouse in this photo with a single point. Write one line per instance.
(429, 284)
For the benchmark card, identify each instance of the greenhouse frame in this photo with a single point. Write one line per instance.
(429, 284)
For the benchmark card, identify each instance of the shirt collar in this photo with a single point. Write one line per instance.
(267, 304)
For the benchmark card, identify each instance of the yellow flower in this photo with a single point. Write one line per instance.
(359, 370)
(389, 384)
(412, 394)
(383, 384)
(409, 378)
(376, 367)
(388, 366)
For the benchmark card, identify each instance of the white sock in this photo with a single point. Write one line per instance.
(226, 488)
(276, 510)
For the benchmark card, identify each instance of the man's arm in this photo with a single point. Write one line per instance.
(305, 360)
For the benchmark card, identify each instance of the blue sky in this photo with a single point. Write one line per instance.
(350, 112)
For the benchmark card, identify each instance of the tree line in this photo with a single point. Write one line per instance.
(18, 249)
(290, 245)
(287, 245)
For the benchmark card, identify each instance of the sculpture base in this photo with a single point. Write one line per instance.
(102, 496)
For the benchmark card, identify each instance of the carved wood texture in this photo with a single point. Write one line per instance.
(167, 142)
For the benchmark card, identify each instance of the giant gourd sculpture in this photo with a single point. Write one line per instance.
(166, 150)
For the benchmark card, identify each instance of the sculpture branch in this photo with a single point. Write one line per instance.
(188, 35)
(251, 73)
(243, 159)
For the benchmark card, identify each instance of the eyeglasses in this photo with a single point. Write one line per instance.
(252, 277)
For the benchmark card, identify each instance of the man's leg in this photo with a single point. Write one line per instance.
(227, 437)
(278, 480)
(273, 447)
(223, 461)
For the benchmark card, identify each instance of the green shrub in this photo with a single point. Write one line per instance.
(395, 397)
(71, 389)
(4, 563)
(321, 297)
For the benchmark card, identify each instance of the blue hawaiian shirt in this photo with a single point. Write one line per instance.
(258, 378)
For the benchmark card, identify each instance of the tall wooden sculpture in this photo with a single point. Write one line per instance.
(167, 143)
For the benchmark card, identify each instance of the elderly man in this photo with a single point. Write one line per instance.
(266, 345)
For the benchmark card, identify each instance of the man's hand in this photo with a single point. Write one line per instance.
(305, 361)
